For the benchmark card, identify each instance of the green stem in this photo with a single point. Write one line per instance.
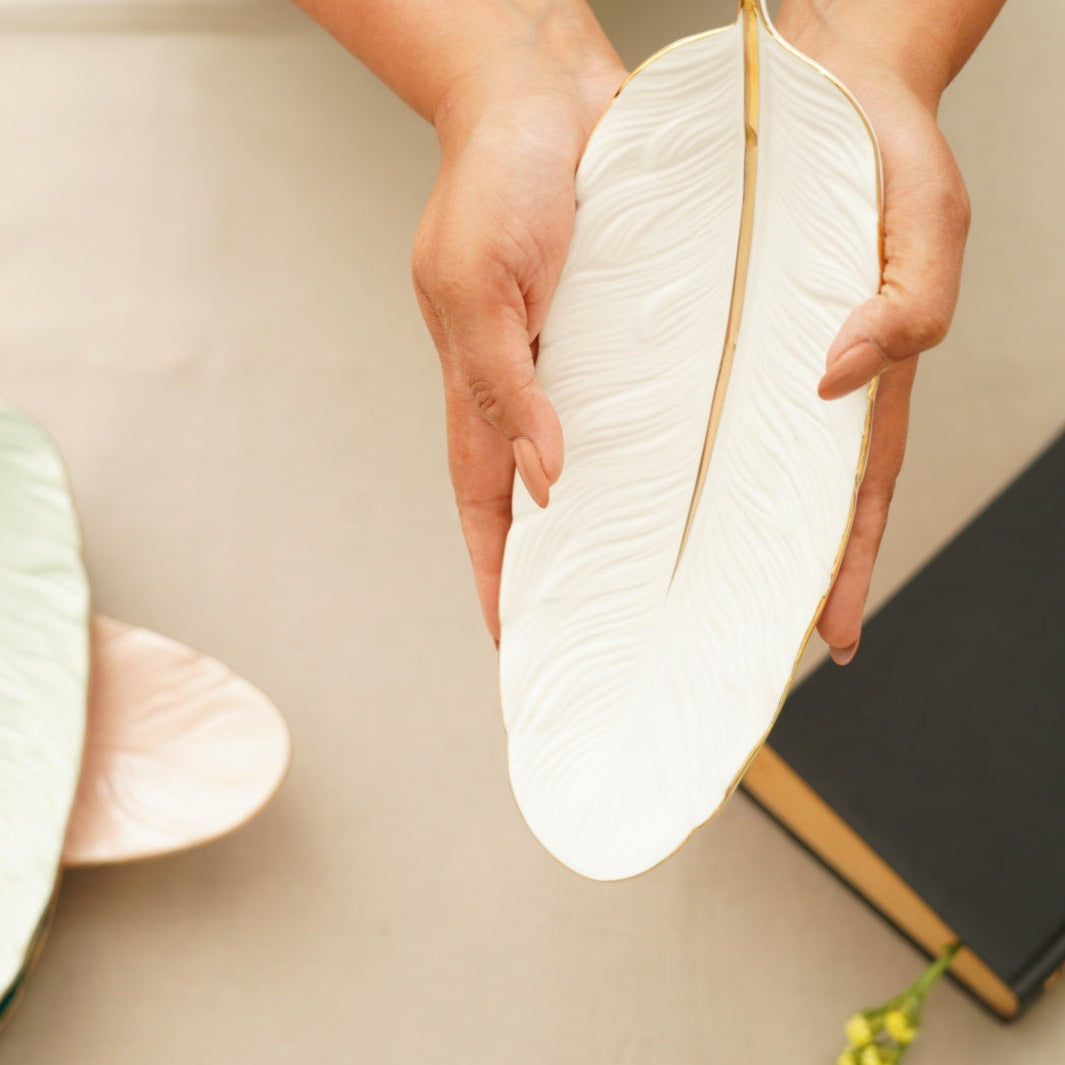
(935, 970)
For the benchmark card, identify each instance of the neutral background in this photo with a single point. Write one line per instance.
(205, 211)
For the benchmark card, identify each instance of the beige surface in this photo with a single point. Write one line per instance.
(205, 211)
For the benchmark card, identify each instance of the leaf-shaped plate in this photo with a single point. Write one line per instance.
(180, 750)
(44, 659)
(728, 220)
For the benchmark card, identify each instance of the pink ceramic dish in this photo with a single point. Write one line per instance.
(179, 750)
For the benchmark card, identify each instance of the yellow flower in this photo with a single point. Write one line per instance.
(871, 1055)
(859, 1031)
(900, 1027)
(898, 1019)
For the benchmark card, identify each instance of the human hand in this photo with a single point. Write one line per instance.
(492, 242)
(487, 258)
(926, 218)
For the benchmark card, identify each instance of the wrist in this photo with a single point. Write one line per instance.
(552, 53)
(898, 43)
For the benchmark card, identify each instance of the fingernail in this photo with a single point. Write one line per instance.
(843, 655)
(527, 460)
(851, 369)
(496, 642)
(837, 356)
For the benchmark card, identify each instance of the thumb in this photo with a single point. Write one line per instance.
(493, 361)
(926, 219)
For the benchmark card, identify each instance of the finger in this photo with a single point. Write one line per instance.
(497, 418)
(489, 352)
(840, 624)
(925, 224)
(482, 472)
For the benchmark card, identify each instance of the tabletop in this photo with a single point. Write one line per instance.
(207, 211)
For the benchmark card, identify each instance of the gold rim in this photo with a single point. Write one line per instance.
(15, 993)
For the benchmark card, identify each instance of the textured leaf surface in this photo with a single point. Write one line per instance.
(635, 687)
(180, 750)
(44, 601)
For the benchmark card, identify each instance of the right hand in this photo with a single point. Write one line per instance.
(487, 257)
(926, 217)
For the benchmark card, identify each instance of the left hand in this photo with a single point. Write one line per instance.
(487, 256)
(926, 219)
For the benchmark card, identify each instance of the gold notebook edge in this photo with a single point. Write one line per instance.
(778, 788)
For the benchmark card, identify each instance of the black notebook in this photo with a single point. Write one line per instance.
(930, 773)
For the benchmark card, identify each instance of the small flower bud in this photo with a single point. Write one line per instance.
(900, 1027)
(860, 1030)
(873, 1055)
